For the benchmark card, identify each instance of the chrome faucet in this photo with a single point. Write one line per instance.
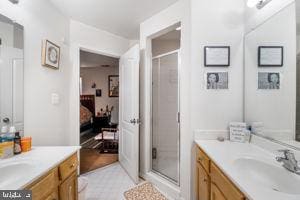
(289, 161)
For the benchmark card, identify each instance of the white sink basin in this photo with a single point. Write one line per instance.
(268, 176)
(12, 172)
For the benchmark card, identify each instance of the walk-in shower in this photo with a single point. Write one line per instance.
(165, 106)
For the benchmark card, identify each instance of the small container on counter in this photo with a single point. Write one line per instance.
(6, 149)
(17, 144)
(26, 144)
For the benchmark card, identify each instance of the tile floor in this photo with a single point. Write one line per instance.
(108, 183)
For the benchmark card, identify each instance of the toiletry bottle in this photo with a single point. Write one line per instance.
(17, 144)
(2, 141)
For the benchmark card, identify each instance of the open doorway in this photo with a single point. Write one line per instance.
(99, 110)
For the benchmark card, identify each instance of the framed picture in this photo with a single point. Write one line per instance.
(216, 56)
(98, 92)
(270, 56)
(113, 85)
(50, 54)
(268, 81)
(217, 80)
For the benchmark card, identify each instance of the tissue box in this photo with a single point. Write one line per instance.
(237, 131)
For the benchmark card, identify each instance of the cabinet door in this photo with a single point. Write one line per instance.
(202, 183)
(53, 195)
(215, 193)
(68, 189)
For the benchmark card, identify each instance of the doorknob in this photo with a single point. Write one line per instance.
(6, 120)
(133, 121)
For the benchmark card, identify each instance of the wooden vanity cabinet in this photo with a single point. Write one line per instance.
(68, 189)
(211, 182)
(203, 183)
(60, 183)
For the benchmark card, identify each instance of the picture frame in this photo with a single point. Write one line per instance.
(217, 56)
(217, 81)
(113, 85)
(50, 54)
(98, 92)
(269, 81)
(270, 56)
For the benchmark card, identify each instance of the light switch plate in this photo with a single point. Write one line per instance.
(55, 99)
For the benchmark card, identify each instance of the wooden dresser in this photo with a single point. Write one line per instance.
(60, 183)
(211, 182)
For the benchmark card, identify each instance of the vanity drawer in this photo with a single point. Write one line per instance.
(68, 167)
(203, 159)
(224, 184)
(45, 186)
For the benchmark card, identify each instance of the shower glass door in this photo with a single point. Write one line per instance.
(165, 116)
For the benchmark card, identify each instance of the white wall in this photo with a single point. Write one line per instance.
(99, 75)
(45, 122)
(216, 23)
(275, 108)
(96, 41)
(178, 12)
(255, 17)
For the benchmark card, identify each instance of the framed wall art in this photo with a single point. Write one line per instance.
(216, 56)
(268, 80)
(270, 56)
(113, 85)
(217, 80)
(50, 54)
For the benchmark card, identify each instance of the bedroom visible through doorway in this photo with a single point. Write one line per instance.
(99, 110)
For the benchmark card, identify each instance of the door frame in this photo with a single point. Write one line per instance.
(74, 137)
(146, 172)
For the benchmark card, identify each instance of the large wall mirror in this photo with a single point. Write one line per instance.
(11, 74)
(272, 77)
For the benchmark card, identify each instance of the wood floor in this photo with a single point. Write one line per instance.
(91, 159)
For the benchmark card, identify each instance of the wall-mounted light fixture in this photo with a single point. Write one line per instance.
(14, 1)
(258, 3)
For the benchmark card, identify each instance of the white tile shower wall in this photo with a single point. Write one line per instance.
(45, 122)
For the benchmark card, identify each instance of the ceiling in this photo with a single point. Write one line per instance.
(88, 59)
(120, 17)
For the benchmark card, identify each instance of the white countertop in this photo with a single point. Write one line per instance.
(224, 154)
(38, 161)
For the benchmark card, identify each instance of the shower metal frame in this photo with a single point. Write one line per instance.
(178, 115)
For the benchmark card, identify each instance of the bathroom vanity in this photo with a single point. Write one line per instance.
(211, 182)
(238, 171)
(49, 172)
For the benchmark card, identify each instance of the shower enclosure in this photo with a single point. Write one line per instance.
(165, 115)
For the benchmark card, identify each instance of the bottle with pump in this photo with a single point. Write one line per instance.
(17, 144)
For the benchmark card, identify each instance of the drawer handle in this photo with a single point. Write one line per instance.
(73, 165)
(200, 159)
(205, 180)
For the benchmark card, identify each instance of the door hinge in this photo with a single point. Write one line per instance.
(154, 153)
(178, 117)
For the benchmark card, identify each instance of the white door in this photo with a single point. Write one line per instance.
(11, 87)
(129, 112)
